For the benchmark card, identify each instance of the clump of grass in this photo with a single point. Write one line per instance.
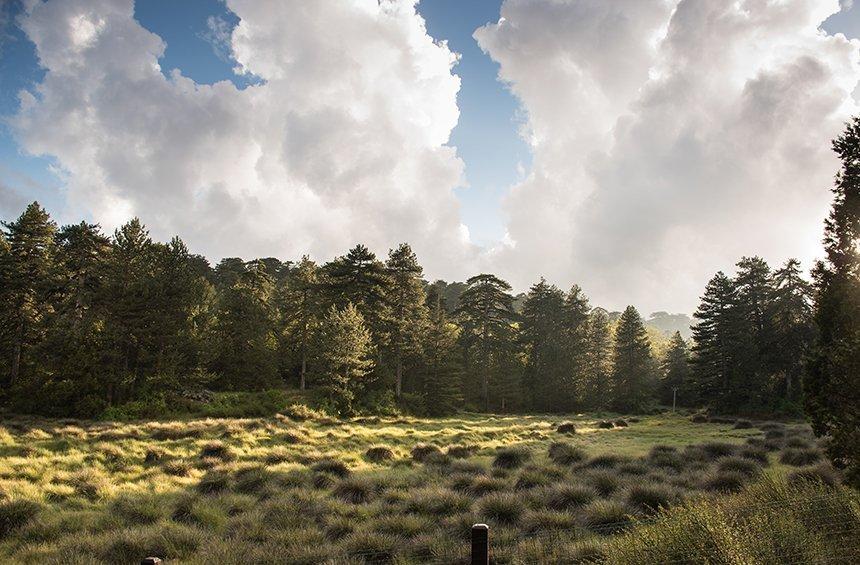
(153, 455)
(606, 516)
(436, 501)
(746, 467)
(721, 420)
(758, 454)
(138, 509)
(823, 473)
(331, 467)
(437, 459)
(770, 425)
(604, 482)
(743, 425)
(699, 418)
(534, 521)
(531, 478)
(481, 486)
(621, 423)
(511, 457)
(379, 454)
(424, 450)
(88, 484)
(605, 461)
(565, 453)
(177, 468)
(799, 457)
(633, 468)
(775, 434)
(797, 443)
(460, 451)
(566, 428)
(15, 514)
(371, 547)
(729, 481)
(568, 496)
(404, 526)
(301, 413)
(605, 425)
(355, 490)
(716, 449)
(214, 481)
(649, 498)
(277, 456)
(503, 507)
(253, 480)
(217, 450)
(338, 528)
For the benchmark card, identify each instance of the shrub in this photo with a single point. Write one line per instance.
(743, 425)
(423, 450)
(504, 508)
(566, 428)
(799, 457)
(605, 516)
(217, 450)
(649, 498)
(746, 467)
(667, 460)
(379, 454)
(355, 490)
(460, 451)
(724, 482)
(331, 467)
(565, 454)
(568, 496)
(213, 482)
(15, 514)
(511, 457)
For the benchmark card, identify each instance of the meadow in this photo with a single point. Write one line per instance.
(301, 487)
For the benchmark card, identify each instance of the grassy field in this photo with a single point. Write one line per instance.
(304, 488)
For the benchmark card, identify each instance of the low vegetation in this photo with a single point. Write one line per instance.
(379, 489)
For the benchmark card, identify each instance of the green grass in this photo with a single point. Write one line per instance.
(304, 488)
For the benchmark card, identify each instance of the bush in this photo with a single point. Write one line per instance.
(15, 514)
(422, 451)
(379, 454)
(331, 467)
(566, 428)
(565, 454)
(504, 508)
(606, 516)
(799, 457)
(511, 457)
(568, 496)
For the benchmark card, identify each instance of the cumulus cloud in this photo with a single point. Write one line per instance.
(341, 139)
(670, 138)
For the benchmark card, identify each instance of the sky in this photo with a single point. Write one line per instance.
(634, 147)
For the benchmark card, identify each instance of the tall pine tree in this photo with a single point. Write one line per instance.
(633, 369)
(406, 301)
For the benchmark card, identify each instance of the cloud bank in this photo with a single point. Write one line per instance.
(669, 138)
(342, 140)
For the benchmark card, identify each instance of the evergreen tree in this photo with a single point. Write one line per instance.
(345, 357)
(597, 371)
(576, 342)
(755, 332)
(715, 335)
(833, 383)
(443, 373)
(547, 377)
(486, 316)
(406, 300)
(30, 281)
(675, 370)
(300, 306)
(632, 371)
(793, 328)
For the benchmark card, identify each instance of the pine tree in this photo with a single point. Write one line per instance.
(547, 377)
(793, 328)
(632, 372)
(833, 382)
(753, 292)
(406, 301)
(597, 371)
(486, 316)
(300, 306)
(345, 357)
(31, 282)
(675, 370)
(443, 373)
(576, 334)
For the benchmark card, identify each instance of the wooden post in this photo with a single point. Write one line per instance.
(151, 561)
(480, 544)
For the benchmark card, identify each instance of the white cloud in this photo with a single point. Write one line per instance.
(341, 141)
(669, 139)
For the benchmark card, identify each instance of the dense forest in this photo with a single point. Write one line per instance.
(91, 321)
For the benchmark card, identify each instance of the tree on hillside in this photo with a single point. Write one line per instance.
(675, 370)
(486, 315)
(443, 373)
(345, 357)
(547, 378)
(833, 382)
(633, 370)
(576, 341)
(793, 328)
(406, 300)
(597, 371)
(301, 311)
(753, 293)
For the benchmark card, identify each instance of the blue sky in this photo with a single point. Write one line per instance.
(486, 136)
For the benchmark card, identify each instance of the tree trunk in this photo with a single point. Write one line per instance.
(398, 387)
(16, 354)
(304, 370)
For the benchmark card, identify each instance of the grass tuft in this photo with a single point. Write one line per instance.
(511, 457)
(565, 454)
(800, 457)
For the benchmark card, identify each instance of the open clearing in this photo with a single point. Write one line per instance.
(306, 489)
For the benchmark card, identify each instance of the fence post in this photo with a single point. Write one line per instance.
(480, 544)
(151, 561)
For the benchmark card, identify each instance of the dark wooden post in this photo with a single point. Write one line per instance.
(480, 544)
(151, 561)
